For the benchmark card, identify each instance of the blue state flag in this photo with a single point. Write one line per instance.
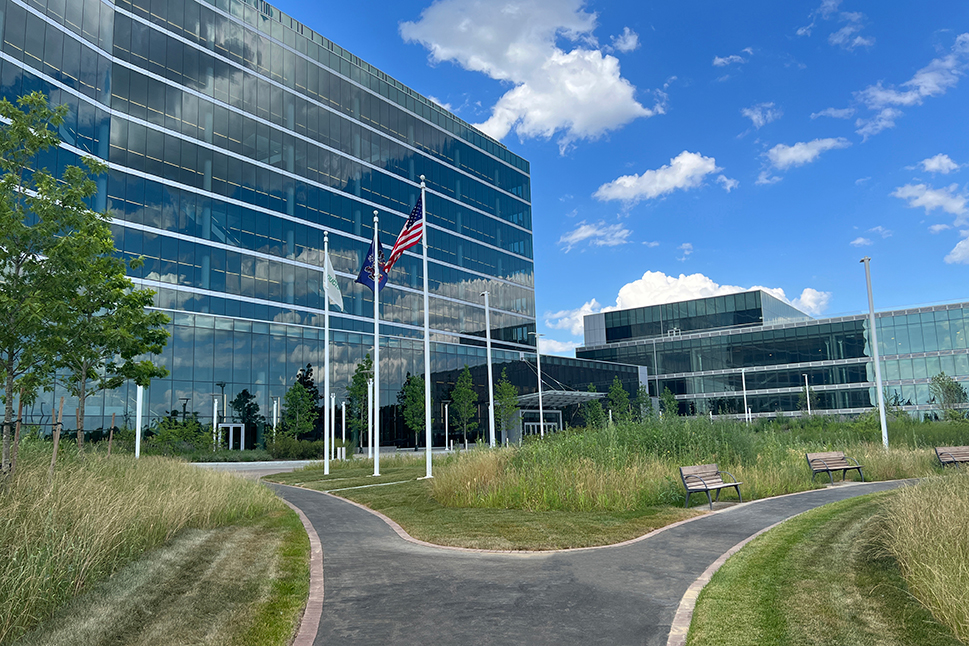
(367, 272)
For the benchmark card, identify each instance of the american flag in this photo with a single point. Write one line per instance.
(409, 236)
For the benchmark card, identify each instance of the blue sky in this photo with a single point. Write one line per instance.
(685, 149)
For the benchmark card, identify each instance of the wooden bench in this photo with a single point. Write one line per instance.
(707, 478)
(832, 461)
(954, 455)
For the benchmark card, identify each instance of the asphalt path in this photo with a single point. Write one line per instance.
(383, 589)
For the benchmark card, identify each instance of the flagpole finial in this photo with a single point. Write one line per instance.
(375, 215)
(326, 235)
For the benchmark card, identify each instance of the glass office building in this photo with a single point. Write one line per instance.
(704, 350)
(235, 138)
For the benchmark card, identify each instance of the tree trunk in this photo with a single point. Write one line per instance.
(16, 436)
(57, 440)
(111, 435)
(7, 416)
(81, 397)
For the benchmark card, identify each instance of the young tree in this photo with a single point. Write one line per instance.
(642, 404)
(948, 393)
(246, 409)
(411, 402)
(299, 411)
(619, 401)
(304, 377)
(506, 403)
(802, 400)
(592, 412)
(40, 220)
(357, 411)
(668, 404)
(464, 403)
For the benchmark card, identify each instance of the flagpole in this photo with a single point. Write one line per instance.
(376, 345)
(427, 342)
(326, 362)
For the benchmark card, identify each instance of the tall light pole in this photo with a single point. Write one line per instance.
(491, 380)
(538, 364)
(807, 392)
(874, 353)
(743, 380)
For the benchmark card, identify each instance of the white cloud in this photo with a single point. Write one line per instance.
(685, 171)
(561, 348)
(723, 61)
(845, 36)
(861, 242)
(761, 114)
(651, 245)
(862, 180)
(939, 228)
(443, 104)
(882, 231)
(921, 195)
(687, 249)
(597, 235)
(935, 79)
(941, 163)
(727, 183)
(627, 41)
(834, 113)
(764, 177)
(812, 301)
(783, 156)
(572, 320)
(576, 93)
(960, 253)
(881, 121)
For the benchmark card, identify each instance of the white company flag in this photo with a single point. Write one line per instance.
(331, 288)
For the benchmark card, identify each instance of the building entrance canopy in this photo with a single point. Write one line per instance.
(558, 399)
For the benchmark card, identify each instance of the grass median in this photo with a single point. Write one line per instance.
(129, 541)
(823, 577)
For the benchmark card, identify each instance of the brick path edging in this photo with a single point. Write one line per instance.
(310, 622)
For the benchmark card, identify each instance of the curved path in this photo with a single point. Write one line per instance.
(382, 589)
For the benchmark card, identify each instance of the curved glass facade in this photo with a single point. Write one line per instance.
(703, 369)
(235, 138)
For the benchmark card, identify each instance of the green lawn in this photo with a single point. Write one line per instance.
(412, 505)
(820, 578)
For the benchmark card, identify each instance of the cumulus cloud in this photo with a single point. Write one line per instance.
(727, 183)
(572, 320)
(627, 41)
(761, 114)
(949, 199)
(960, 253)
(656, 288)
(597, 234)
(861, 242)
(783, 156)
(561, 348)
(939, 228)
(834, 113)
(685, 171)
(576, 92)
(935, 79)
(875, 124)
(941, 164)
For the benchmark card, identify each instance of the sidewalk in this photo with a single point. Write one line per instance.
(382, 589)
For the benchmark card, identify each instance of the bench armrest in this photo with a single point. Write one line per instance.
(853, 460)
(702, 481)
(951, 457)
(729, 474)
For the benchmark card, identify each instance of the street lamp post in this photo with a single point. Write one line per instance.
(874, 353)
(222, 414)
(185, 401)
(538, 364)
(491, 380)
(743, 380)
(807, 392)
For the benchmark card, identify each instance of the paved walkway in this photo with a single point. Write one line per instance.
(382, 589)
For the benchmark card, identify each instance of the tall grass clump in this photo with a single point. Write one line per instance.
(625, 467)
(94, 516)
(927, 531)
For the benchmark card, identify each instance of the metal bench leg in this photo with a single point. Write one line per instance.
(687, 500)
(861, 474)
(738, 493)
(717, 499)
(709, 500)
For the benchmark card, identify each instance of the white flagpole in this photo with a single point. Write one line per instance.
(491, 380)
(427, 342)
(326, 362)
(332, 429)
(343, 426)
(376, 346)
(370, 419)
(139, 397)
